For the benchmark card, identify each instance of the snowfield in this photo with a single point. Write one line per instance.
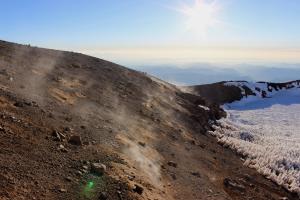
(266, 131)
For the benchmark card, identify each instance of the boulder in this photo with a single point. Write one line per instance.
(98, 168)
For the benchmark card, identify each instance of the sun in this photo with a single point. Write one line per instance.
(201, 16)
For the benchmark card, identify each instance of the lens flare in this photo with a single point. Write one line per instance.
(89, 189)
(201, 16)
(90, 184)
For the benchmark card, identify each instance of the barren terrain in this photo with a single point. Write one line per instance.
(77, 127)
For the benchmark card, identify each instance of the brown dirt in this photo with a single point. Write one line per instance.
(145, 131)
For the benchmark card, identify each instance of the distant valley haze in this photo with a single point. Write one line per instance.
(205, 73)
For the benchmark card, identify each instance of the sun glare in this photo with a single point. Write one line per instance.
(201, 16)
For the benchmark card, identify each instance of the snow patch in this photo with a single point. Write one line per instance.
(266, 131)
(262, 87)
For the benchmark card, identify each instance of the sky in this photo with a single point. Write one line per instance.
(139, 32)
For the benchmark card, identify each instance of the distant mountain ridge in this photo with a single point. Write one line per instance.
(229, 91)
(262, 89)
(206, 73)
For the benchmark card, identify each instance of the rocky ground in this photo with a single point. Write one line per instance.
(77, 127)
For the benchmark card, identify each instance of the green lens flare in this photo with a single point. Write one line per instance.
(91, 184)
(88, 190)
(90, 187)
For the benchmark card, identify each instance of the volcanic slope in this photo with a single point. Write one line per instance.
(64, 115)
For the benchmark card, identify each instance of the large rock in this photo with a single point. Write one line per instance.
(98, 168)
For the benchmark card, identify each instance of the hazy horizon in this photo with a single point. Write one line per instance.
(195, 73)
(205, 73)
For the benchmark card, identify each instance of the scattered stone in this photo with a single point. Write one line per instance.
(84, 171)
(98, 168)
(19, 104)
(173, 176)
(85, 167)
(75, 140)
(234, 185)
(85, 162)
(193, 142)
(172, 164)
(131, 178)
(83, 127)
(69, 179)
(103, 196)
(58, 136)
(247, 177)
(174, 137)
(138, 189)
(76, 65)
(62, 190)
(283, 198)
(62, 148)
(197, 174)
(143, 144)
(68, 129)
(79, 173)
(68, 119)
(120, 195)
(2, 128)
